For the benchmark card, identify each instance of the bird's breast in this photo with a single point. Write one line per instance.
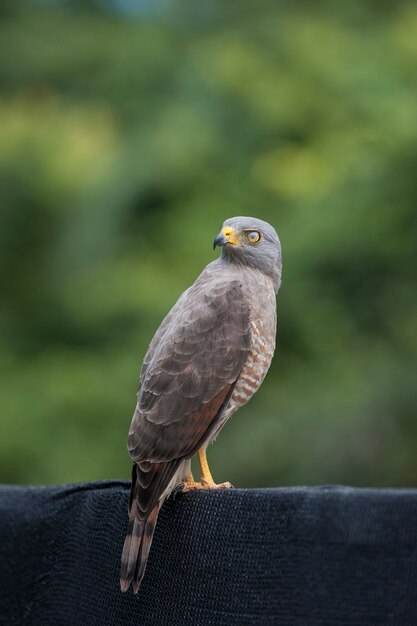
(256, 366)
(263, 333)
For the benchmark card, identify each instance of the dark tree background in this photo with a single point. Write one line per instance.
(129, 131)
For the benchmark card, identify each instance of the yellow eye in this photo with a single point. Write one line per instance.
(253, 236)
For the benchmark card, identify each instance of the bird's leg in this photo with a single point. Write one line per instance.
(206, 476)
(189, 483)
(207, 481)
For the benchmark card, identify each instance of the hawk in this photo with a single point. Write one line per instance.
(207, 359)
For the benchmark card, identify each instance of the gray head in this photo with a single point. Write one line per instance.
(252, 242)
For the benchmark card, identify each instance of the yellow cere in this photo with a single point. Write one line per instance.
(231, 236)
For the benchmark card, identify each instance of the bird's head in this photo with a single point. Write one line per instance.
(252, 242)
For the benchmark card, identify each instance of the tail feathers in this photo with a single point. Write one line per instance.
(149, 483)
(136, 550)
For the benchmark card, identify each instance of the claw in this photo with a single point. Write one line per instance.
(205, 485)
(177, 491)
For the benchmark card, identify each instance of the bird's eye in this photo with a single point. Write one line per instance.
(253, 236)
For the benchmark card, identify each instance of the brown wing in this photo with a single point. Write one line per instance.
(190, 369)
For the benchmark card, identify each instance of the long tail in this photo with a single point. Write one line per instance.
(136, 550)
(149, 482)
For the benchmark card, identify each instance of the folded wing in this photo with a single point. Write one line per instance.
(190, 370)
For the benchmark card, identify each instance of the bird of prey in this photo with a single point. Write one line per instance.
(208, 357)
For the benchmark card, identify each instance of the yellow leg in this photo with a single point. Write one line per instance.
(206, 476)
(207, 481)
(190, 483)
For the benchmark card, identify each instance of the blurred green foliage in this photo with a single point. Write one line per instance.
(126, 140)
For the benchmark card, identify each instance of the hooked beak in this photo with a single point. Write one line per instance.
(227, 236)
(220, 240)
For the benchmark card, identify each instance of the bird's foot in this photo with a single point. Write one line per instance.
(212, 485)
(204, 484)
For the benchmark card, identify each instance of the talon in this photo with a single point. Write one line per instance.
(190, 485)
(178, 489)
(204, 485)
(213, 485)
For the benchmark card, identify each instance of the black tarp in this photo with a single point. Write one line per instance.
(324, 555)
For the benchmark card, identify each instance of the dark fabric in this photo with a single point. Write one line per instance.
(325, 556)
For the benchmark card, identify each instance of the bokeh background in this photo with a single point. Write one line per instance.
(129, 132)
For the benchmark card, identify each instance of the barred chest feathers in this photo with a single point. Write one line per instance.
(263, 322)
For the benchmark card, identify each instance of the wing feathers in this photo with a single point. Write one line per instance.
(194, 359)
